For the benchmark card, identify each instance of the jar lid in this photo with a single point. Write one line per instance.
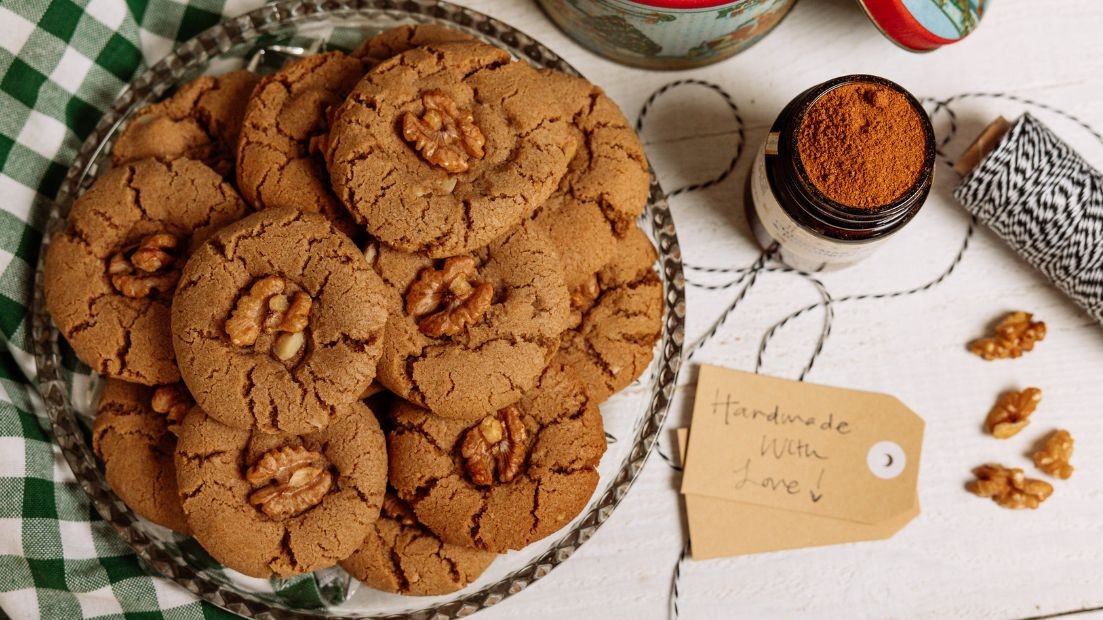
(924, 25)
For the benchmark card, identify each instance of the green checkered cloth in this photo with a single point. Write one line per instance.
(62, 63)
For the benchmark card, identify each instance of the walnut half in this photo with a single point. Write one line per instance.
(1009, 487)
(1011, 413)
(497, 444)
(265, 308)
(149, 266)
(449, 299)
(1014, 335)
(1054, 456)
(445, 135)
(295, 479)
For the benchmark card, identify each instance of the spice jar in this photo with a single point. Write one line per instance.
(846, 164)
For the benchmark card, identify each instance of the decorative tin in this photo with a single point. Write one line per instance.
(666, 34)
(924, 25)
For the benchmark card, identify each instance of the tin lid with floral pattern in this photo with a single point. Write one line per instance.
(925, 25)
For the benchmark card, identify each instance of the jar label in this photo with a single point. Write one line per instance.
(800, 248)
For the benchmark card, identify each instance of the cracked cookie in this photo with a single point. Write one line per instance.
(133, 436)
(110, 275)
(399, 555)
(504, 481)
(606, 185)
(278, 163)
(470, 334)
(200, 121)
(394, 41)
(278, 322)
(444, 148)
(620, 315)
(274, 504)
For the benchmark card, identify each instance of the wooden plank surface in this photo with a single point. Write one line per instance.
(963, 557)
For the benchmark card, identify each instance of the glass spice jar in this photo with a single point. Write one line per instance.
(814, 232)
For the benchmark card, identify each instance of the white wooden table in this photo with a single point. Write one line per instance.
(962, 557)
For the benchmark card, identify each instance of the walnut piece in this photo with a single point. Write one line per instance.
(449, 298)
(295, 479)
(1054, 456)
(1014, 335)
(1011, 413)
(584, 295)
(1009, 487)
(266, 309)
(445, 135)
(398, 510)
(149, 266)
(497, 444)
(174, 401)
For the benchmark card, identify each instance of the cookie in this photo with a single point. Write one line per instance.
(268, 504)
(606, 185)
(400, 556)
(394, 41)
(132, 436)
(620, 316)
(278, 164)
(446, 147)
(278, 322)
(110, 275)
(470, 334)
(512, 478)
(200, 121)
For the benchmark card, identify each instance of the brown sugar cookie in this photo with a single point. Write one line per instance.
(133, 437)
(399, 39)
(400, 556)
(267, 504)
(606, 185)
(200, 121)
(620, 319)
(507, 480)
(445, 147)
(278, 164)
(278, 322)
(470, 334)
(110, 275)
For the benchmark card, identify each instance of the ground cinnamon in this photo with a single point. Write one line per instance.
(862, 144)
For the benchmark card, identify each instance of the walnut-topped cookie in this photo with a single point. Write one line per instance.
(619, 313)
(508, 479)
(445, 147)
(273, 504)
(200, 121)
(399, 555)
(470, 334)
(278, 322)
(134, 436)
(112, 273)
(606, 185)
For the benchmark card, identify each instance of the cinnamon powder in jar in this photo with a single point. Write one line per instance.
(862, 145)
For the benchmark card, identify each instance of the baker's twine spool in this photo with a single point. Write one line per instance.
(1045, 201)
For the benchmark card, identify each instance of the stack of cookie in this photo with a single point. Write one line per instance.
(362, 311)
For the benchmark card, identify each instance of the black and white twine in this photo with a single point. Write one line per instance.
(1047, 179)
(1046, 202)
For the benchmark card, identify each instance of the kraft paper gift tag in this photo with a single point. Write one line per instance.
(773, 464)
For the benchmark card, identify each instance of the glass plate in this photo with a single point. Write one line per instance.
(633, 418)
